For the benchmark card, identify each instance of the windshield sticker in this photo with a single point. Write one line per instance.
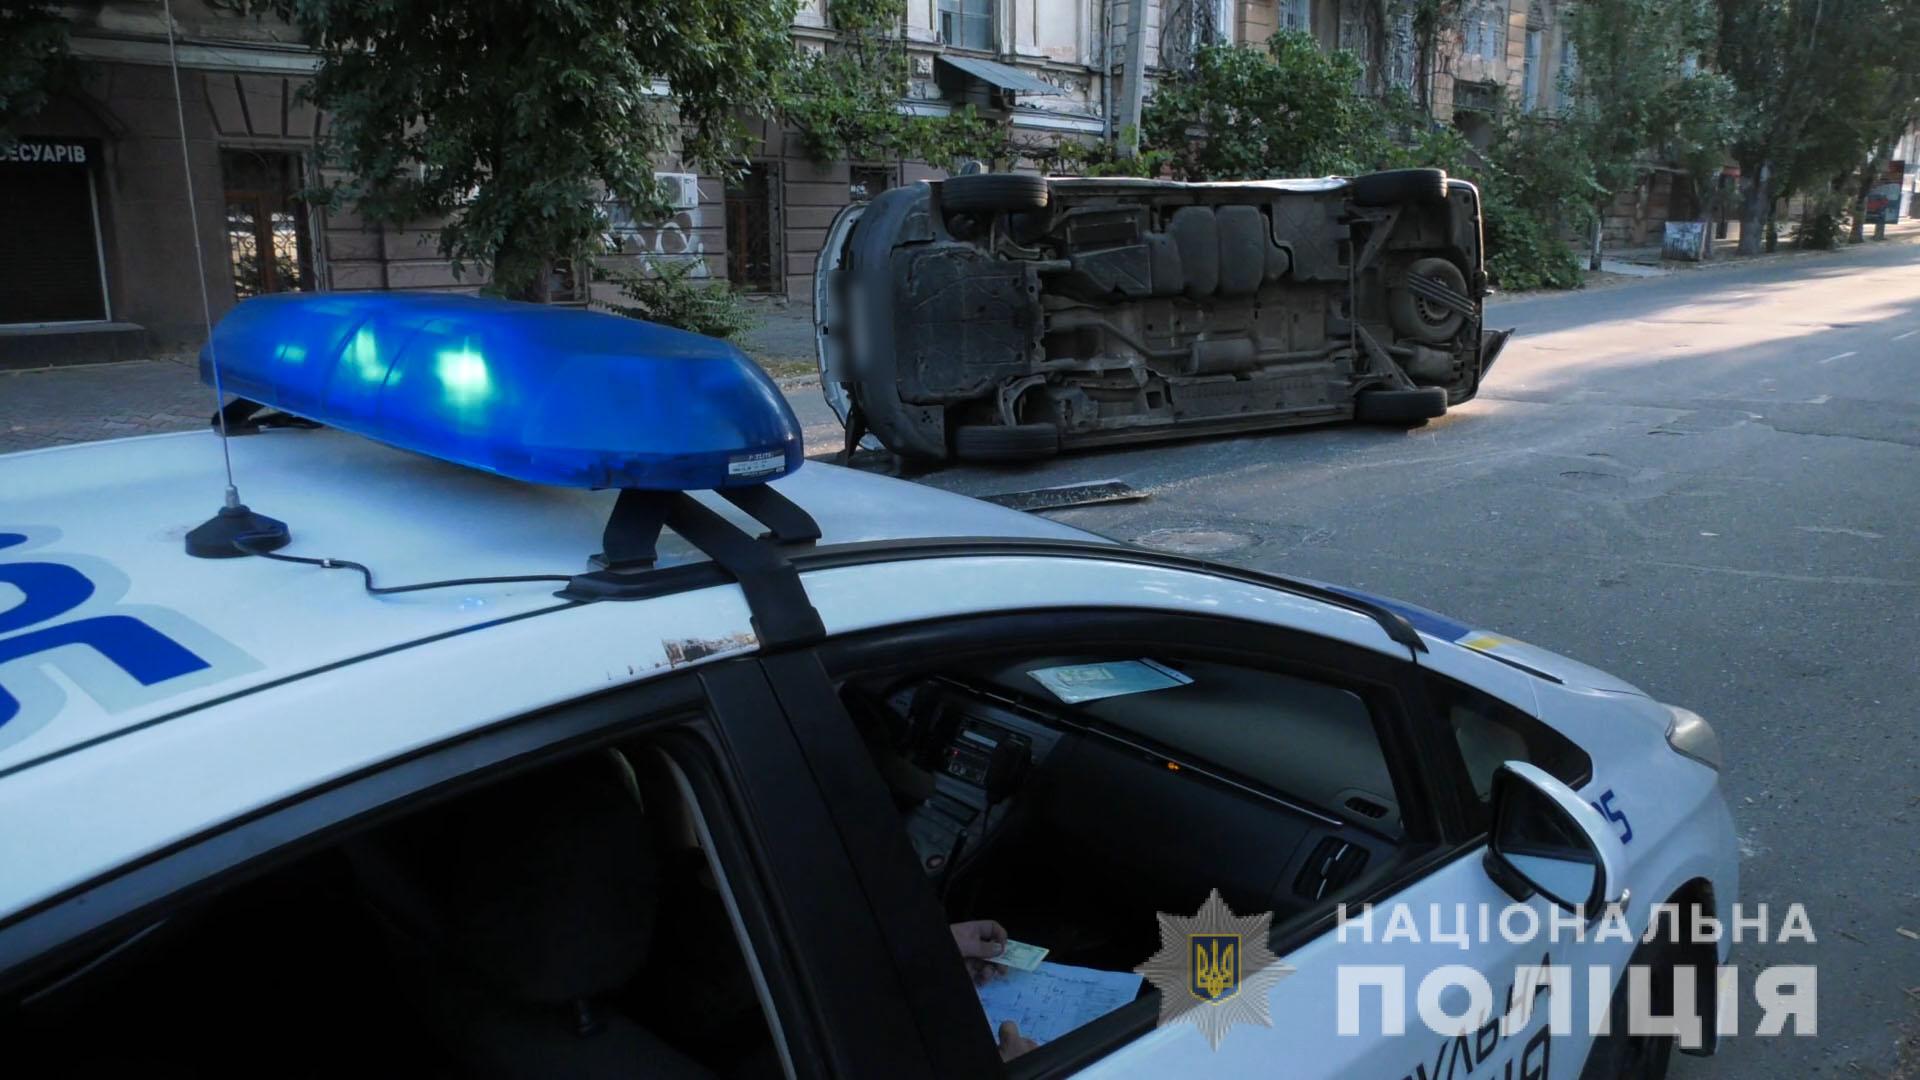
(1076, 683)
(68, 619)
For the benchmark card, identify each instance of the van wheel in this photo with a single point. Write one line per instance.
(1400, 408)
(1417, 317)
(1003, 443)
(1395, 186)
(993, 193)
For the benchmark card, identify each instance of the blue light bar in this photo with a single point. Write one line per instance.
(550, 395)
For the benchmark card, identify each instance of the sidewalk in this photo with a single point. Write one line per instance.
(1647, 261)
(82, 403)
(1639, 265)
(783, 340)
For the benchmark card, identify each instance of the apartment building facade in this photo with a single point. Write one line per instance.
(97, 238)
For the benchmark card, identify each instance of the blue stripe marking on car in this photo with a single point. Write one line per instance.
(52, 589)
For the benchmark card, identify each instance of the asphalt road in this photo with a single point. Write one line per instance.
(1705, 483)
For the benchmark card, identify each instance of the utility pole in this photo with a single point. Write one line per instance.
(1134, 86)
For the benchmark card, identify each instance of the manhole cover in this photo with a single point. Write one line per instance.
(1194, 541)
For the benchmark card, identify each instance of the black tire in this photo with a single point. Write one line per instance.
(993, 193)
(1400, 408)
(1618, 1055)
(1001, 443)
(1396, 186)
(1419, 318)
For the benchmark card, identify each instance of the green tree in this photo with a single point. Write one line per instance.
(1798, 67)
(1633, 93)
(33, 59)
(1890, 86)
(1697, 119)
(1536, 184)
(1290, 110)
(516, 120)
(1433, 22)
(844, 100)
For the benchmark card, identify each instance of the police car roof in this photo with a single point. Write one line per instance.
(118, 511)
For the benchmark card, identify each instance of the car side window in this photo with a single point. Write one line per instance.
(1489, 732)
(548, 923)
(1070, 798)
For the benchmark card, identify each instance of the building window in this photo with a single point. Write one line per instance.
(1485, 32)
(967, 23)
(1296, 15)
(1530, 79)
(1223, 28)
(49, 214)
(1569, 76)
(267, 243)
(1400, 56)
(866, 181)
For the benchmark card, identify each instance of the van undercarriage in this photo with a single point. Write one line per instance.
(1002, 317)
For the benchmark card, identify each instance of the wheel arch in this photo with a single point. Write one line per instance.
(1695, 896)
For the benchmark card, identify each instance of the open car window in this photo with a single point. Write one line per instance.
(1071, 798)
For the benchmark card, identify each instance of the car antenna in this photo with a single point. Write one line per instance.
(215, 538)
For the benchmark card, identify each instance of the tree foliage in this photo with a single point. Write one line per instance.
(844, 100)
(1433, 22)
(668, 292)
(1292, 110)
(1286, 110)
(515, 121)
(1636, 57)
(1819, 84)
(1536, 187)
(33, 60)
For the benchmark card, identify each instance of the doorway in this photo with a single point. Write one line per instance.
(750, 265)
(269, 250)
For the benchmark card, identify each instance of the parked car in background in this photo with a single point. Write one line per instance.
(1001, 317)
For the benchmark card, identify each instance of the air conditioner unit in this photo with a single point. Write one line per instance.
(682, 188)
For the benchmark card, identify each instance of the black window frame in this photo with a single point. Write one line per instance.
(1555, 753)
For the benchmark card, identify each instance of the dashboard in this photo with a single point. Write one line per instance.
(1000, 769)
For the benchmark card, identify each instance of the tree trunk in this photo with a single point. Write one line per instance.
(1755, 201)
(1859, 230)
(1882, 153)
(1707, 203)
(1599, 233)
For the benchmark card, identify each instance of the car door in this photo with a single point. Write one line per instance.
(1438, 872)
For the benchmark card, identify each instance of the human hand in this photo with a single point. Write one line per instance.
(978, 941)
(1012, 1043)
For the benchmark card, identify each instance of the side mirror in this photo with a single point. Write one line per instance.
(1546, 839)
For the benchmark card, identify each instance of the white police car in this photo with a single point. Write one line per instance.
(494, 811)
